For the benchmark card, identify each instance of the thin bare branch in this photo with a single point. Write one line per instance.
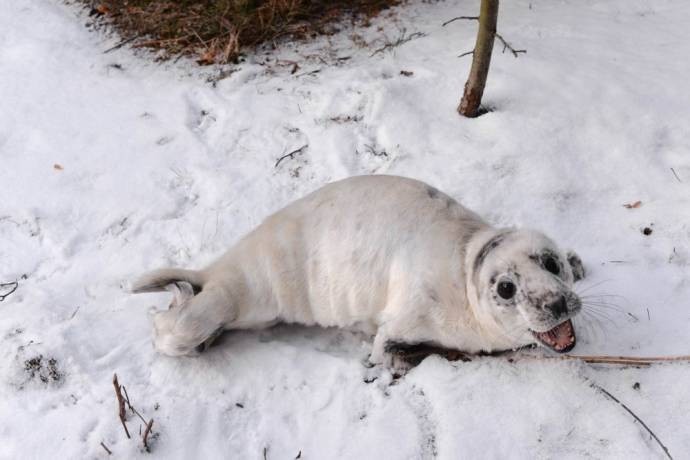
(400, 41)
(418, 352)
(636, 360)
(291, 154)
(121, 404)
(506, 46)
(110, 452)
(145, 437)
(121, 44)
(12, 287)
(674, 173)
(469, 18)
(466, 54)
(649, 430)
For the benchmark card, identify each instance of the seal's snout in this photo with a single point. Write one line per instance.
(559, 307)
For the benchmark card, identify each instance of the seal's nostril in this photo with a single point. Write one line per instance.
(559, 307)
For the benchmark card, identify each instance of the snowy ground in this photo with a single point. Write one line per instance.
(111, 165)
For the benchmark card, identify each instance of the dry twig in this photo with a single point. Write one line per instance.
(12, 286)
(674, 173)
(506, 45)
(471, 18)
(613, 398)
(121, 44)
(110, 452)
(145, 437)
(626, 360)
(291, 154)
(414, 354)
(400, 41)
(148, 424)
(120, 404)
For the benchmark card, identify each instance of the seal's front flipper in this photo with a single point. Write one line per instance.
(206, 344)
(576, 266)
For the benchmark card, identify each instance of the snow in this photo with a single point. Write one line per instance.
(158, 167)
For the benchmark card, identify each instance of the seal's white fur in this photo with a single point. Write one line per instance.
(385, 254)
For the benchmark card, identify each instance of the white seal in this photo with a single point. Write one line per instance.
(384, 254)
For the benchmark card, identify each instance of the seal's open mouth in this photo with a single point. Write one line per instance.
(561, 338)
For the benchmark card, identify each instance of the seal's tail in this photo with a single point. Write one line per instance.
(157, 280)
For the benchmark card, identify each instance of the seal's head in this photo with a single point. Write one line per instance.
(522, 289)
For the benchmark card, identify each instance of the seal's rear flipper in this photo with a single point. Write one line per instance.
(159, 280)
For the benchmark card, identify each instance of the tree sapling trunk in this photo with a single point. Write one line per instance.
(481, 58)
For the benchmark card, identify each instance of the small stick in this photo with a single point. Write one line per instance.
(291, 154)
(674, 173)
(636, 418)
(507, 46)
(13, 287)
(146, 435)
(121, 404)
(312, 72)
(466, 54)
(416, 353)
(110, 452)
(400, 41)
(471, 18)
(629, 360)
(121, 44)
(134, 411)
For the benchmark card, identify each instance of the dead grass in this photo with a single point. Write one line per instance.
(216, 31)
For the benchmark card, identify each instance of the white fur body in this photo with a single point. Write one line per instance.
(384, 254)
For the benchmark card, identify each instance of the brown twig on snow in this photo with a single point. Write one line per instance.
(417, 353)
(13, 287)
(134, 411)
(148, 424)
(75, 313)
(121, 404)
(110, 452)
(674, 173)
(291, 154)
(467, 53)
(400, 41)
(613, 398)
(624, 360)
(145, 437)
(471, 18)
(121, 44)
(311, 72)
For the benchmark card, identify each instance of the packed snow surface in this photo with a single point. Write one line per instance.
(112, 164)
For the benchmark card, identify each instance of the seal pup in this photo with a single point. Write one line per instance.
(389, 255)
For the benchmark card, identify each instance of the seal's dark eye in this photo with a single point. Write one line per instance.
(551, 265)
(506, 289)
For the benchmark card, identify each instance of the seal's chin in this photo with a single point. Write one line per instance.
(561, 338)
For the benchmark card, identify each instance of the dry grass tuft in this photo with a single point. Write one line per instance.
(216, 31)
